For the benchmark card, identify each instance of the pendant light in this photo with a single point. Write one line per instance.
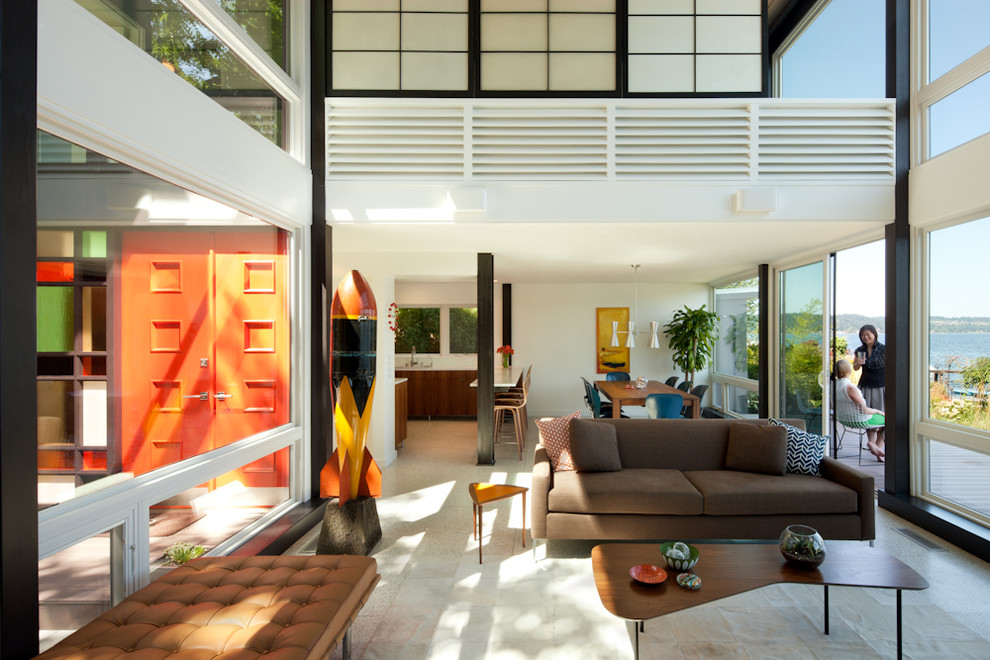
(631, 331)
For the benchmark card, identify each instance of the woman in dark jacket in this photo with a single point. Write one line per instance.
(870, 357)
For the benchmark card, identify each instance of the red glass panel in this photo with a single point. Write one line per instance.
(55, 271)
(94, 460)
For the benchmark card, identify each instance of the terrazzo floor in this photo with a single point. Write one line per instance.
(435, 601)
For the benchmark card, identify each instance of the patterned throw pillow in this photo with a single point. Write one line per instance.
(556, 435)
(804, 450)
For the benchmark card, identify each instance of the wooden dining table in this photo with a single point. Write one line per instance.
(616, 392)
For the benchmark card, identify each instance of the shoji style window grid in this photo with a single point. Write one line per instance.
(552, 48)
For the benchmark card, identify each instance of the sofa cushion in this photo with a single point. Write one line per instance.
(805, 450)
(555, 434)
(730, 493)
(594, 447)
(637, 491)
(757, 448)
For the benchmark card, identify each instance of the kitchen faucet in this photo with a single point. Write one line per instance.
(412, 357)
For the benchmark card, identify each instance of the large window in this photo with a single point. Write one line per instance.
(953, 99)
(801, 322)
(437, 330)
(839, 54)
(737, 353)
(174, 36)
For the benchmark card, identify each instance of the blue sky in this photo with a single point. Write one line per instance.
(841, 55)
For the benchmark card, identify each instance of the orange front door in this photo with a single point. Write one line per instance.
(204, 342)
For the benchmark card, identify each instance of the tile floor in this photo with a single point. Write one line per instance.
(435, 601)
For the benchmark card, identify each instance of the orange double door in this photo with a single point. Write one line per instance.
(205, 347)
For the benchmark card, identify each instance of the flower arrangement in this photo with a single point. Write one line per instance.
(506, 351)
(393, 317)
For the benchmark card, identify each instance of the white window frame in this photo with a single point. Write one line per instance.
(923, 428)
(82, 100)
(925, 94)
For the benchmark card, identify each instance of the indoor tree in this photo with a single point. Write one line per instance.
(692, 333)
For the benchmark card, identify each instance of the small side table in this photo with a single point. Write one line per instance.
(482, 494)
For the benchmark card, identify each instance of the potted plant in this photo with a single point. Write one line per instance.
(179, 553)
(692, 333)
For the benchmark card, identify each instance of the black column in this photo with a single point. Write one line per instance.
(897, 479)
(763, 275)
(486, 359)
(18, 330)
(507, 316)
(322, 260)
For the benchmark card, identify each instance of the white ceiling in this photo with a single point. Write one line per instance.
(534, 252)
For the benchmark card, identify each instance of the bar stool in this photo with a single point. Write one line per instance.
(516, 405)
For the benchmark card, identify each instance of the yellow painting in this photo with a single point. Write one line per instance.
(612, 358)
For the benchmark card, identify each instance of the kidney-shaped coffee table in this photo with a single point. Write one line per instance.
(730, 569)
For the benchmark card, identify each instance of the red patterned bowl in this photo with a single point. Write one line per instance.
(648, 573)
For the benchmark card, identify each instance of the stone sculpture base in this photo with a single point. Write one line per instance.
(352, 529)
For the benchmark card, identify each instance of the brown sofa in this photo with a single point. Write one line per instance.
(290, 607)
(674, 484)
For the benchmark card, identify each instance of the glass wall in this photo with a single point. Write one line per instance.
(163, 324)
(171, 34)
(801, 323)
(737, 353)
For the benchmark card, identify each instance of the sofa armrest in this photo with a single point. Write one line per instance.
(540, 492)
(850, 477)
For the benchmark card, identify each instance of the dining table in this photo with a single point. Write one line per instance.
(625, 393)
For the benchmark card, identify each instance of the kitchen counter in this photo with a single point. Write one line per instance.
(436, 392)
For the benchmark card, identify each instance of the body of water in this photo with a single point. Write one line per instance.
(945, 346)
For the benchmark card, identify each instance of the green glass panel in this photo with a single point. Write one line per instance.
(94, 244)
(55, 319)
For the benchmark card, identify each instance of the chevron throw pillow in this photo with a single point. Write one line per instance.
(804, 450)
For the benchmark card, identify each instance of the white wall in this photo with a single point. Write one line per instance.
(554, 328)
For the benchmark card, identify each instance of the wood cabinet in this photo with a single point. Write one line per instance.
(440, 393)
(401, 412)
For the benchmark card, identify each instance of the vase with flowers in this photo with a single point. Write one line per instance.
(506, 351)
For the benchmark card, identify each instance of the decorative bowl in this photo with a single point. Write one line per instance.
(802, 546)
(680, 564)
(648, 573)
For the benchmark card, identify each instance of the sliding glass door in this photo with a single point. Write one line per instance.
(802, 322)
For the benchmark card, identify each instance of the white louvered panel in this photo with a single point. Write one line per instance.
(539, 141)
(421, 141)
(826, 141)
(682, 142)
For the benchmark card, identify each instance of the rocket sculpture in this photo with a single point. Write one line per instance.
(352, 472)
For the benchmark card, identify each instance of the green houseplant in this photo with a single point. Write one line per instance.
(692, 333)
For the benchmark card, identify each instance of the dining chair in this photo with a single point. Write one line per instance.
(517, 407)
(671, 381)
(698, 391)
(617, 375)
(664, 406)
(598, 409)
(685, 386)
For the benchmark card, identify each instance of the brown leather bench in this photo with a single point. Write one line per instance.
(290, 607)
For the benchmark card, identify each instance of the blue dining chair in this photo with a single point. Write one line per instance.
(671, 381)
(664, 406)
(617, 375)
(685, 386)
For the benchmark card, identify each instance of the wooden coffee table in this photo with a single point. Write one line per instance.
(730, 569)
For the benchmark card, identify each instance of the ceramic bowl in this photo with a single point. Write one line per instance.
(680, 564)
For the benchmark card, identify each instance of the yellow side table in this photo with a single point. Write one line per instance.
(482, 494)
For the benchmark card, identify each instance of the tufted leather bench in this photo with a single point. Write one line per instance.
(284, 608)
